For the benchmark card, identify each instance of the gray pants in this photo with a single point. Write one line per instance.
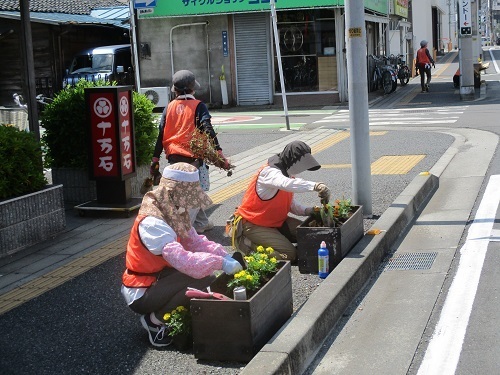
(168, 292)
(280, 239)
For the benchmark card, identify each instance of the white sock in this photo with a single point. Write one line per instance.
(155, 320)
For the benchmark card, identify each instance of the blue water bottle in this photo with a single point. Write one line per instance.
(323, 260)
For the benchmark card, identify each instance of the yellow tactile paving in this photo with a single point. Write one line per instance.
(395, 164)
(336, 166)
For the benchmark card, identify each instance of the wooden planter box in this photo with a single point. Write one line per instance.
(237, 330)
(31, 218)
(339, 241)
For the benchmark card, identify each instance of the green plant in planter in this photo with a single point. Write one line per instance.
(65, 139)
(21, 170)
(260, 265)
(331, 215)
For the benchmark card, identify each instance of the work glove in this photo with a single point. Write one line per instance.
(323, 192)
(226, 162)
(154, 169)
(230, 265)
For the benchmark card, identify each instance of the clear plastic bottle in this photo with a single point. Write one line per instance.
(323, 260)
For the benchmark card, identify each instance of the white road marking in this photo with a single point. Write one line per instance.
(494, 61)
(443, 352)
(419, 116)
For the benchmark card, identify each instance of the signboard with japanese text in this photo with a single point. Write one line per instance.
(401, 8)
(465, 17)
(112, 142)
(198, 7)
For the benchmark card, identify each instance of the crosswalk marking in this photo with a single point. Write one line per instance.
(402, 116)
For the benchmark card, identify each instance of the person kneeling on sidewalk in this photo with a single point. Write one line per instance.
(262, 218)
(165, 255)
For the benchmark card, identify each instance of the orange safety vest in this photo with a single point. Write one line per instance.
(270, 213)
(143, 267)
(179, 127)
(422, 57)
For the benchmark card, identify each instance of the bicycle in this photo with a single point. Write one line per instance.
(383, 76)
(402, 69)
(40, 98)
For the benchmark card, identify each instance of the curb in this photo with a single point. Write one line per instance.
(295, 345)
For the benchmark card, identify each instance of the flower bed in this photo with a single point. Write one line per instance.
(229, 330)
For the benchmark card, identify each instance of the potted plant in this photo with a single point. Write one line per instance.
(30, 210)
(66, 135)
(235, 330)
(339, 224)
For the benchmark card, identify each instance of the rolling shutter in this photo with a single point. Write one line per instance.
(253, 62)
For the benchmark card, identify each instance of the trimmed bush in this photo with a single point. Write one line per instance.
(21, 170)
(66, 136)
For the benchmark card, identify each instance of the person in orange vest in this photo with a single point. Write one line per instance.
(424, 62)
(180, 118)
(165, 255)
(263, 216)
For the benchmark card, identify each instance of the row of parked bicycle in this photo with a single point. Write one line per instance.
(387, 71)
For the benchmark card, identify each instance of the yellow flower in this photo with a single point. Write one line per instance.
(249, 259)
(180, 308)
(270, 250)
(166, 317)
(273, 260)
(260, 248)
(249, 277)
(264, 256)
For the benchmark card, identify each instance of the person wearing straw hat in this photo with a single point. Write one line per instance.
(263, 216)
(165, 255)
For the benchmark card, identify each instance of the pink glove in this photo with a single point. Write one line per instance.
(226, 162)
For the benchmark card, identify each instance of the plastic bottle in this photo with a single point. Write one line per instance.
(323, 260)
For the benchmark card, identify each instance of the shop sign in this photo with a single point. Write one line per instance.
(198, 7)
(111, 133)
(401, 8)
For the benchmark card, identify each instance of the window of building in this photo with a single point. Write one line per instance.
(308, 51)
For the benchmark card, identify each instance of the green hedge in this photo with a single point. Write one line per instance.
(66, 130)
(21, 170)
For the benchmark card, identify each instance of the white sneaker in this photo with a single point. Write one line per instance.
(205, 228)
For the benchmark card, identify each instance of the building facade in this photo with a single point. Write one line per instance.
(234, 40)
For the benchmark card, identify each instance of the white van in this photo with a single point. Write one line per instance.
(109, 63)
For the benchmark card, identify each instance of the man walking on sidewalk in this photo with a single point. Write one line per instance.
(424, 61)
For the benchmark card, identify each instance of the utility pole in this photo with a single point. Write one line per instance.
(29, 69)
(465, 46)
(355, 32)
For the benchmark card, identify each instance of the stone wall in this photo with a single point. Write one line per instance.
(30, 219)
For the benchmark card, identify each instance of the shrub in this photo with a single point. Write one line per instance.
(66, 136)
(21, 170)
